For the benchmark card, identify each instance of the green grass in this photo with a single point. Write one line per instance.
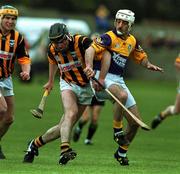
(151, 152)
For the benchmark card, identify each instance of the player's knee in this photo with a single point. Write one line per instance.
(124, 96)
(72, 115)
(3, 110)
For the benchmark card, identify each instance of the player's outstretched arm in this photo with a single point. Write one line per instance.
(151, 66)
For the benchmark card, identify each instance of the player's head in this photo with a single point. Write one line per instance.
(8, 16)
(59, 36)
(8, 10)
(126, 17)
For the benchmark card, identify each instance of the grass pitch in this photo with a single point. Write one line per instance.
(152, 152)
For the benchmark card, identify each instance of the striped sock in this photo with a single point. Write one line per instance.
(64, 147)
(117, 127)
(38, 142)
(122, 150)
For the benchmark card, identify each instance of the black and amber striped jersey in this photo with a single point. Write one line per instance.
(12, 47)
(71, 62)
(121, 50)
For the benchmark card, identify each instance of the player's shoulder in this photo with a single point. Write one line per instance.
(51, 50)
(104, 39)
(132, 37)
(78, 36)
(16, 32)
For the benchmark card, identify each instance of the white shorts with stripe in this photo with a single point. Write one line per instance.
(115, 79)
(6, 87)
(84, 94)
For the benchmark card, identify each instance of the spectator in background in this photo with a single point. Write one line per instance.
(102, 19)
(172, 109)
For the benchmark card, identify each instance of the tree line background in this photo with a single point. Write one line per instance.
(157, 25)
(144, 9)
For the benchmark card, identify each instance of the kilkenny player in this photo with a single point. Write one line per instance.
(12, 47)
(66, 52)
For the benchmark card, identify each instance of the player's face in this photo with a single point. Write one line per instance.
(121, 26)
(8, 22)
(62, 45)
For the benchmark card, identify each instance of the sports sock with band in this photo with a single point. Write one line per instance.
(160, 117)
(117, 127)
(38, 142)
(81, 124)
(122, 150)
(91, 130)
(64, 147)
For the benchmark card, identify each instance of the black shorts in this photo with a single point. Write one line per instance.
(95, 102)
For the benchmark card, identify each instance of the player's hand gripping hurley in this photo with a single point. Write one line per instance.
(38, 113)
(137, 120)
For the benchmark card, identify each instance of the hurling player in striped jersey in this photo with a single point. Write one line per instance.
(12, 48)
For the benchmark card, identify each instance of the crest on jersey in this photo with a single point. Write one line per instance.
(129, 48)
(99, 40)
(11, 43)
(117, 45)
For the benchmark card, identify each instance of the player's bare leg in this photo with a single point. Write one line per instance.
(131, 130)
(6, 117)
(169, 111)
(72, 113)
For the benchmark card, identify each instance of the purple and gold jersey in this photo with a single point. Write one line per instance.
(71, 62)
(121, 50)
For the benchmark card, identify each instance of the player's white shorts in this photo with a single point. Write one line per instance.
(6, 86)
(84, 94)
(115, 79)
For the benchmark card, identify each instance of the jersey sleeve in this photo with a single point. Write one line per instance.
(101, 43)
(50, 55)
(138, 54)
(21, 52)
(86, 42)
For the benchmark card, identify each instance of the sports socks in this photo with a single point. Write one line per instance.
(38, 142)
(122, 150)
(64, 147)
(117, 127)
(81, 124)
(91, 130)
(160, 117)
